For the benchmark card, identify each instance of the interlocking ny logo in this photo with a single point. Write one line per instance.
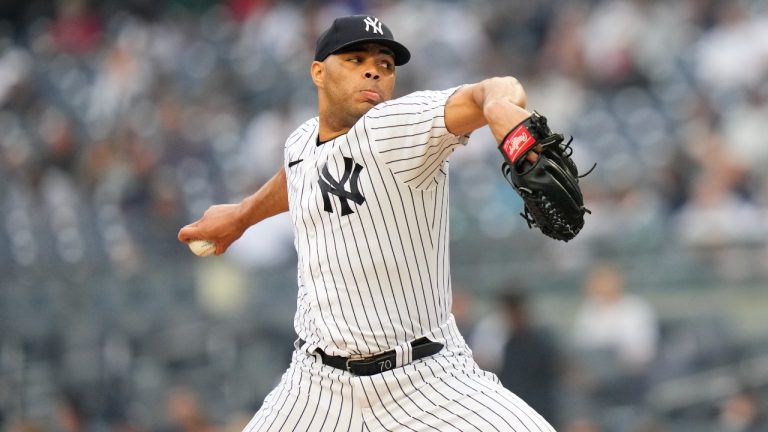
(373, 23)
(329, 185)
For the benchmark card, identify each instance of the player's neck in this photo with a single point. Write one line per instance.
(333, 126)
(327, 134)
(335, 120)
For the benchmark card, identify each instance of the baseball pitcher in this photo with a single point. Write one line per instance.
(366, 185)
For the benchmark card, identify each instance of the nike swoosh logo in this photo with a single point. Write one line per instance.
(296, 162)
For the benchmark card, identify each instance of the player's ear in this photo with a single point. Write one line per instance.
(317, 70)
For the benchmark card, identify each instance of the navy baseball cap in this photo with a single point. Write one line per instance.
(351, 30)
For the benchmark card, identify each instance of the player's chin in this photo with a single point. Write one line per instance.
(364, 107)
(366, 103)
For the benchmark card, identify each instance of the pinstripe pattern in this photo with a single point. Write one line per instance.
(446, 392)
(374, 274)
(376, 278)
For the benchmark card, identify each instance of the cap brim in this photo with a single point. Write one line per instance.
(402, 55)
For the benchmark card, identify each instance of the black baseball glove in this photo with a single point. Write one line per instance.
(550, 186)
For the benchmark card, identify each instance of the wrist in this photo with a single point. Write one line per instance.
(502, 116)
(244, 214)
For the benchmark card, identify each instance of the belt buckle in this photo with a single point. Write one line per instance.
(369, 366)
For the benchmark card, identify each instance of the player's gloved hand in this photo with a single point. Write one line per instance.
(220, 224)
(548, 182)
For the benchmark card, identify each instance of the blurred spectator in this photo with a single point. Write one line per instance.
(22, 425)
(75, 29)
(530, 359)
(616, 335)
(186, 414)
(72, 414)
(742, 412)
(508, 342)
(715, 221)
(237, 422)
(461, 308)
(707, 219)
(582, 424)
(611, 319)
(486, 339)
(745, 128)
(744, 63)
(611, 39)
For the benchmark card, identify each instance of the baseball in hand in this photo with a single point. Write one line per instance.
(202, 248)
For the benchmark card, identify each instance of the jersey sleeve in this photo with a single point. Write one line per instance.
(409, 136)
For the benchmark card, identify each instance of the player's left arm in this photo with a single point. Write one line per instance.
(550, 189)
(497, 102)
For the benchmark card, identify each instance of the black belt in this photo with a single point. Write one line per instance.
(420, 348)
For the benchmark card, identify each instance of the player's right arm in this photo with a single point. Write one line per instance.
(222, 224)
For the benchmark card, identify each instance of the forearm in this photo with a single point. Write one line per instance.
(270, 200)
(222, 224)
(502, 101)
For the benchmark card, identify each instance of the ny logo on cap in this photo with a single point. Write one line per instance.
(373, 23)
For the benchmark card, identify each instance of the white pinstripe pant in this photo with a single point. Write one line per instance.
(444, 392)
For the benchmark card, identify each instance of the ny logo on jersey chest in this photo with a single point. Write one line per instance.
(330, 186)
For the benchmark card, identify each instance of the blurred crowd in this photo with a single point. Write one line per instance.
(118, 112)
(615, 366)
(123, 120)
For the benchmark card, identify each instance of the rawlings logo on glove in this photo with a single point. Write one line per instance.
(550, 186)
(517, 142)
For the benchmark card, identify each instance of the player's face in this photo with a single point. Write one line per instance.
(357, 79)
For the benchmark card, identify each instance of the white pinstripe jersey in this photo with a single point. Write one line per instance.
(370, 217)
